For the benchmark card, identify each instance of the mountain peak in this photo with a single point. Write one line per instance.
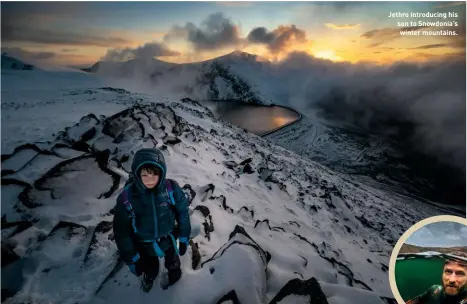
(237, 54)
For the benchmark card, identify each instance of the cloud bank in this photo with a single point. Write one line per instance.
(146, 51)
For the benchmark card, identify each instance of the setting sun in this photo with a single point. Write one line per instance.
(329, 54)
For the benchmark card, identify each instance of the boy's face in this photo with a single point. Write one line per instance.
(149, 179)
(454, 278)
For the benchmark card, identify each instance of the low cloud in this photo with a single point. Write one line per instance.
(422, 103)
(342, 26)
(27, 55)
(279, 39)
(146, 51)
(215, 32)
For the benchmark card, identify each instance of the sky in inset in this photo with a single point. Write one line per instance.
(440, 234)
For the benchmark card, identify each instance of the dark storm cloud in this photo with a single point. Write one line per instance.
(149, 50)
(261, 35)
(440, 234)
(279, 39)
(215, 32)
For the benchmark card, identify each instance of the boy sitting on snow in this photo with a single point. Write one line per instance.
(145, 220)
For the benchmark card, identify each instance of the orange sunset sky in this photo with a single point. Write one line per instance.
(82, 33)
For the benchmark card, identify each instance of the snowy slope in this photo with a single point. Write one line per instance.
(373, 160)
(10, 63)
(37, 104)
(274, 223)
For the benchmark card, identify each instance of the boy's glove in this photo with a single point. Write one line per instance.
(183, 246)
(135, 266)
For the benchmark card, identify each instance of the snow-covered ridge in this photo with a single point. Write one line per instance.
(306, 226)
(10, 63)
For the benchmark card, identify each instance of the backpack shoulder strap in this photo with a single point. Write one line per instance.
(168, 186)
(129, 207)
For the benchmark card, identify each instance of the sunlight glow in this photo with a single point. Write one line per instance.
(329, 54)
(280, 120)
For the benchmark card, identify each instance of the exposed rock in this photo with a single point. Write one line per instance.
(203, 209)
(248, 169)
(258, 222)
(230, 164)
(246, 161)
(196, 256)
(207, 190)
(309, 288)
(8, 255)
(189, 192)
(172, 140)
(19, 227)
(252, 212)
(230, 297)
(265, 174)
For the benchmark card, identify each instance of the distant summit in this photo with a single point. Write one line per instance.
(10, 63)
(242, 55)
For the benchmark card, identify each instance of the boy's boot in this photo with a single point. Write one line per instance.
(146, 282)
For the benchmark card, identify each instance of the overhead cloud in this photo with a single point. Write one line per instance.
(342, 26)
(42, 36)
(36, 23)
(39, 14)
(279, 39)
(215, 32)
(147, 51)
(440, 234)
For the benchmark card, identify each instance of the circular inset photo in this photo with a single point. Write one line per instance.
(429, 262)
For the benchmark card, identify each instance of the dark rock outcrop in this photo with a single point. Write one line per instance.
(309, 288)
(230, 297)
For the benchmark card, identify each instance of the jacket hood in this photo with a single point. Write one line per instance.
(148, 156)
